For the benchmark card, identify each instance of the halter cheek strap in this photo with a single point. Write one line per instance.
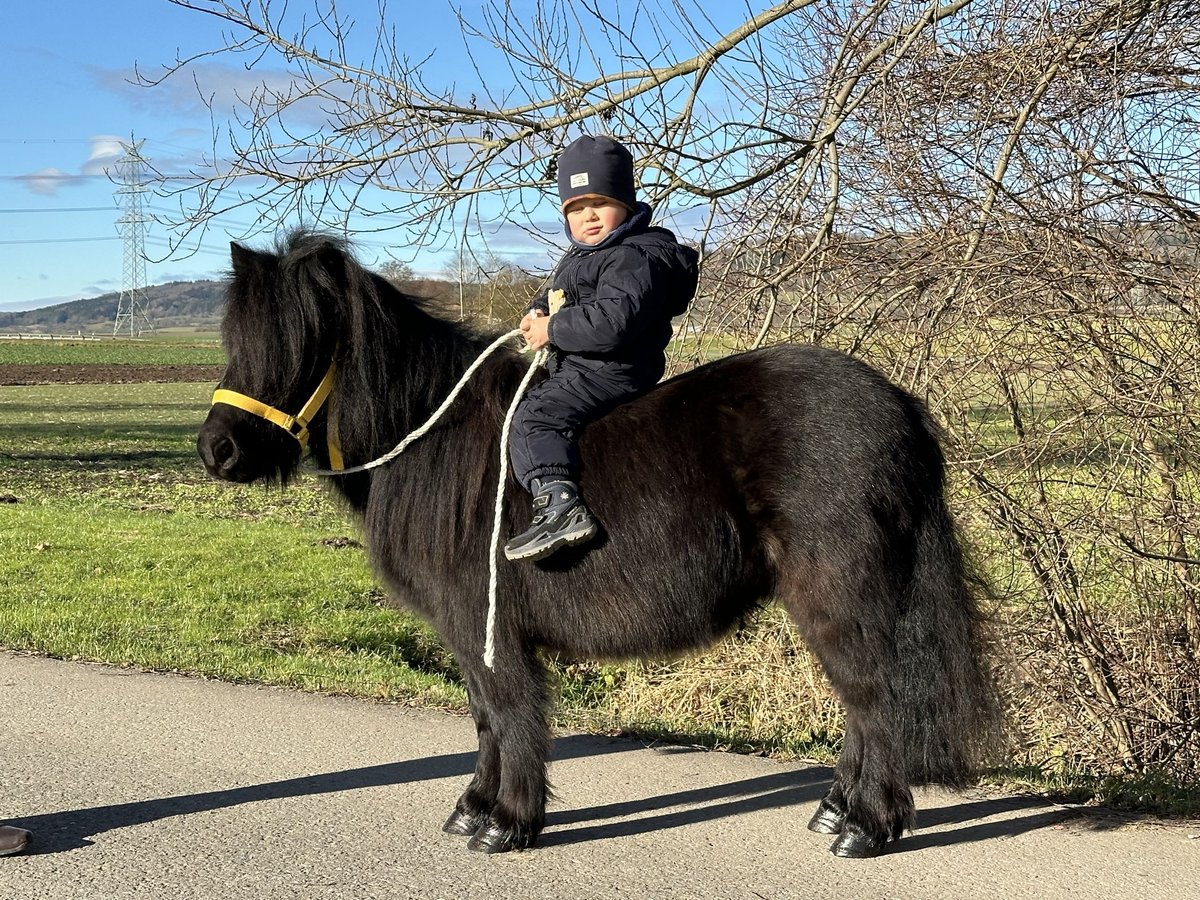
(297, 425)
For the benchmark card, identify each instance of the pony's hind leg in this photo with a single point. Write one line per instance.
(475, 805)
(876, 803)
(830, 816)
(507, 799)
(869, 802)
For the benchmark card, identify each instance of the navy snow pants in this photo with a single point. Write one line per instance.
(545, 432)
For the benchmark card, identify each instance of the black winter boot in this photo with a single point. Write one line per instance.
(559, 519)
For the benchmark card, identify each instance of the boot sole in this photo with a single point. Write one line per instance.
(23, 841)
(563, 540)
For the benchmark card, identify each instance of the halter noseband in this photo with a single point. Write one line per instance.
(297, 425)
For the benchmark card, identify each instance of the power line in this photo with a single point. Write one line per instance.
(60, 176)
(78, 240)
(154, 141)
(107, 209)
(180, 253)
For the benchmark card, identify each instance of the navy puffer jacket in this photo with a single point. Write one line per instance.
(621, 295)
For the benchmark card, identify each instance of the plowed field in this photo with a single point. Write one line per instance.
(104, 374)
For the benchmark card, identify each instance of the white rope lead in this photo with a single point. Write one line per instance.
(432, 420)
(489, 643)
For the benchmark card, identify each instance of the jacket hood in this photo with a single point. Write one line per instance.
(679, 263)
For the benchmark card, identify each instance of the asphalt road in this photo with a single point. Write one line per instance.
(156, 786)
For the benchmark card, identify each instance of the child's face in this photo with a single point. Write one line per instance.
(592, 219)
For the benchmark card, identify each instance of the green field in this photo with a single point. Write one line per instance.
(118, 547)
(178, 350)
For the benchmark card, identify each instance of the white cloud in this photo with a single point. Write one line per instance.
(46, 182)
(167, 276)
(106, 149)
(200, 87)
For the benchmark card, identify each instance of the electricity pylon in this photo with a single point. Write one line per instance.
(133, 314)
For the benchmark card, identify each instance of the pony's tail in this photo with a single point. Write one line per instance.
(948, 711)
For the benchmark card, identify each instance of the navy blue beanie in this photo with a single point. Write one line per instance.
(596, 166)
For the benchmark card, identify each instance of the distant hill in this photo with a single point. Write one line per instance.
(177, 304)
(199, 304)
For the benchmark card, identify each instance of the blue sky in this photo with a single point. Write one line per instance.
(68, 103)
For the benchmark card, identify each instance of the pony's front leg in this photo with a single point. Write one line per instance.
(512, 700)
(475, 805)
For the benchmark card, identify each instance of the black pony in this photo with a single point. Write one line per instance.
(792, 472)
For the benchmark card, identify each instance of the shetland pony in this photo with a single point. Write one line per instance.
(790, 473)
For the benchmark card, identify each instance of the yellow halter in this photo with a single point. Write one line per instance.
(297, 425)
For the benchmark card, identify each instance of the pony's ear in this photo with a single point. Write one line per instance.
(244, 259)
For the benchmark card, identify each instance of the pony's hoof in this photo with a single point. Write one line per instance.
(854, 843)
(493, 838)
(463, 824)
(828, 819)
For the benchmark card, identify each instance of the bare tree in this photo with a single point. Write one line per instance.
(994, 201)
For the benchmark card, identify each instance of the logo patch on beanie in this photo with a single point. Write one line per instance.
(580, 180)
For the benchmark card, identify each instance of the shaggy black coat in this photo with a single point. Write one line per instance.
(793, 473)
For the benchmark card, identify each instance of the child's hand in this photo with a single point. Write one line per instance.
(535, 328)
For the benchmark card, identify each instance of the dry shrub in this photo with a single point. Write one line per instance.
(1057, 726)
(758, 688)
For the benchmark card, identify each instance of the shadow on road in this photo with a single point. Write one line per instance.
(71, 829)
(703, 805)
(983, 831)
(791, 788)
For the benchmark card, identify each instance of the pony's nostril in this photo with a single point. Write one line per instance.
(224, 453)
(219, 453)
